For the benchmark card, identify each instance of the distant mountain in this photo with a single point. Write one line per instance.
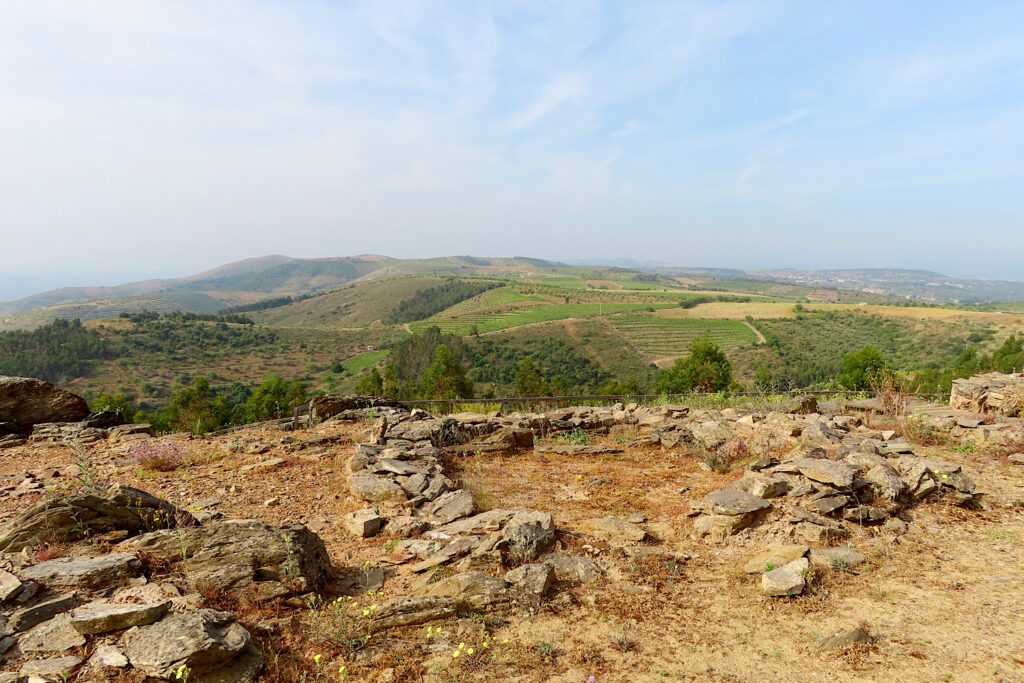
(246, 281)
(255, 279)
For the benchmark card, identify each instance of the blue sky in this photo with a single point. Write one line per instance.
(151, 137)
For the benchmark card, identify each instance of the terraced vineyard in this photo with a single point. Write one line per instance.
(492, 298)
(671, 337)
(524, 315)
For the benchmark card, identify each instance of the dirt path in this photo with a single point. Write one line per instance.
(760, 337)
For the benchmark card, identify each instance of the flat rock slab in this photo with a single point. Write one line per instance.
(474, 588)
(837, 558)
(53, 636)
(85, 572)
(411, 611)
(774, 556)
(27, 617)
(375, 489)
(574, 568)
(56, 669)
(844, 638)
(102, 617)
(730, 502)
(451, 506)
(616, 530)
(826, 471)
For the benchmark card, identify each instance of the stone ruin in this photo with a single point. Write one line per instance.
(995, 393)
(825, 476)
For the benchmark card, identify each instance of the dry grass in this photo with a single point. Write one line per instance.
(673, 607)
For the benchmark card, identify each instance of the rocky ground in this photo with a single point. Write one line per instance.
(613, 544)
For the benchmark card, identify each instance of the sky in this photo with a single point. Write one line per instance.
(143, 138)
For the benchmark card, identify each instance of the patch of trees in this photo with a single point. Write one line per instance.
(60, 350)
(433, 300)
(1007, 358)
(694, 301)
(200, 408)
(192, 333)
(705, 369)
(181, 316)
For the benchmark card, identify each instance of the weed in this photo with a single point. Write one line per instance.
(624, 642)
(965, 448)
(546, 649)
(158, 455)
(577, 436)
(87, 480)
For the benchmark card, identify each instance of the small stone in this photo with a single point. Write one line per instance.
(896, 526)
(837, 558)
(363, 523)
(773, 556)
(9, 585)
(574, 568)
(271, 502)
(1016, 459)
(844, 638)
(531, 579)
(107, 656)
(637, 518)
(617, 530)
(786, 580)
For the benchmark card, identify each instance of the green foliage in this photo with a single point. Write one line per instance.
(445, 377)
(372, 384)
(432, 300)
(808, 352)
(63, 349)
(705, 369)
(1007, 358)
(861, 368)
(115, 403)
(529, 381)
(196, 409)
(274, 398)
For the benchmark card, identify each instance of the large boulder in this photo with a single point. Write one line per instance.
(211, 644)
(237, 554)
(81, 515)
(25, 401)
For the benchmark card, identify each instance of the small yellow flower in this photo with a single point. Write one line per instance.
(455, 655)
(462, 646)
(469, 651)
(317, 658)
(505, 641)
(366, 612)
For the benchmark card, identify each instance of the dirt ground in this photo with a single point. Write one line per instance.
(945, 601)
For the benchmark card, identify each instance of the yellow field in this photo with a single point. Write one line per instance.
(948, 315)
(723, 310)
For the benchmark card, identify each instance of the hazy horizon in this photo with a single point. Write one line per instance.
(18, 285)
(161, 139)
